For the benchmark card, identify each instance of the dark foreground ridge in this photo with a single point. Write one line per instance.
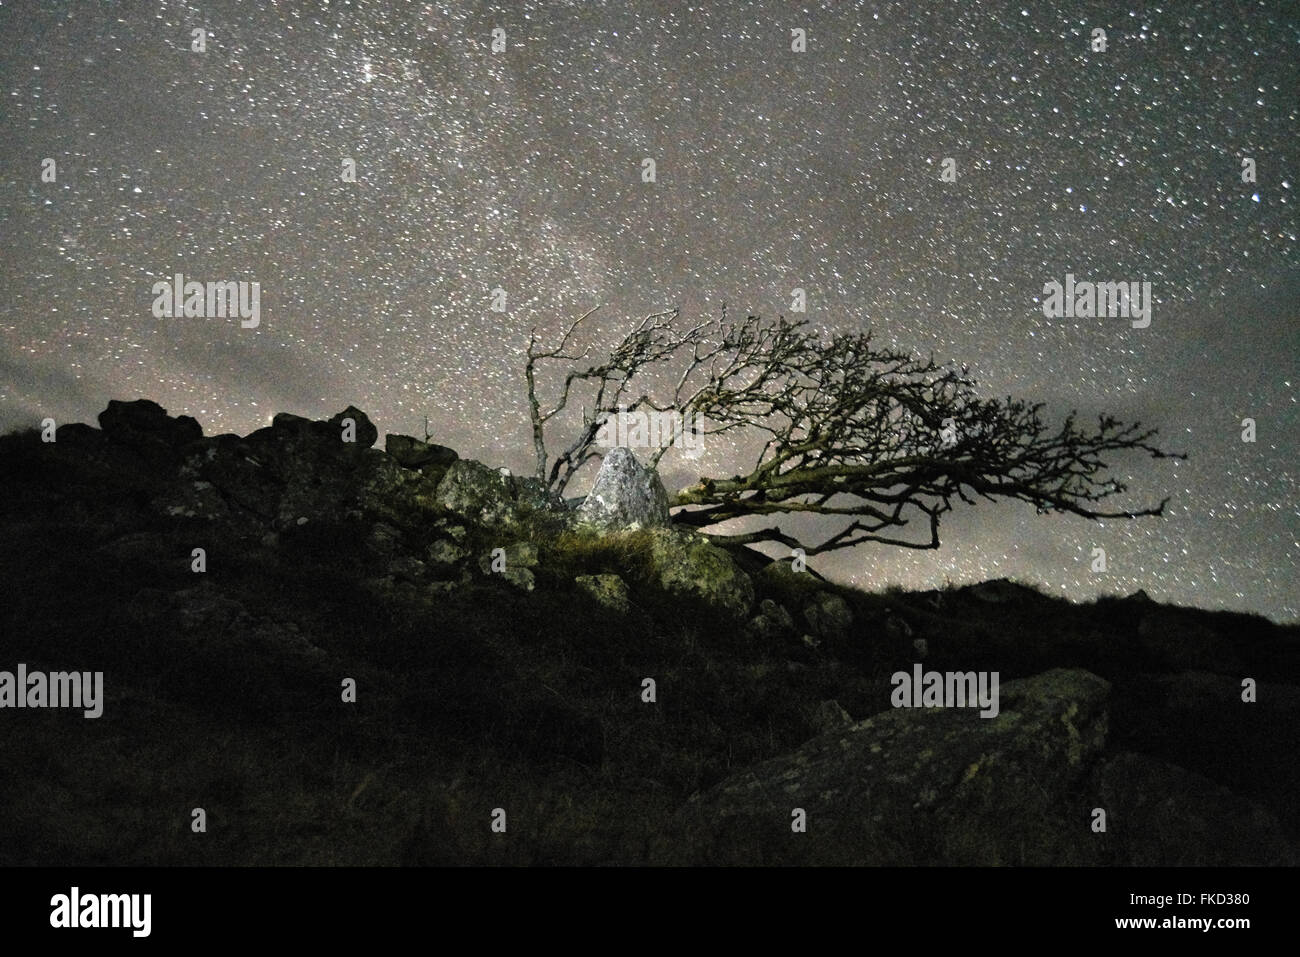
(404, 657)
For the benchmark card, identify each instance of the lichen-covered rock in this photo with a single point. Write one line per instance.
(473, 490)
(607, 590)
(829, 616)
(514, 563)
(383, 539)
(407, 568)
(686, 564)
(491, 497)
(772, 621)
(519, 554)
(626, 494)
(830, 716)
(921, 786)
(444, 552)
(532, 496)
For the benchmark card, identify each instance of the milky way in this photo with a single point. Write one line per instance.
(775, 169)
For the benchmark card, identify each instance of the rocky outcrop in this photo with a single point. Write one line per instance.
(945, 786)
(145, 429)
(919, 786)
(328, 559)
(626, 495)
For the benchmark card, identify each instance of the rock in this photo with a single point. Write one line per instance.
(78, 435)
(476, 492)
(473, 490)
(777, 614)
(772, 621)
(1160, 814)
(607, 590)
(532, 495)
(383, 539)
(518, 554)
(448, 586)
(794, 588)
(194, 499)
(203, 619)
(411, 453)
(295, 468)
(999, 591)
(128, 422)
(289, 423)
(1200, 692)
(830, 716)
(145, 428)
(522, 578)
(625, 495)
(519, 560)
(450, 529)
(920, 786)
(365, 432)
(1198, 721)
(686, 564)
(443, 552)
(407, 568)
(1175, 639)
(829, 616)
(896, 627)
(137, 548)
(388, 492)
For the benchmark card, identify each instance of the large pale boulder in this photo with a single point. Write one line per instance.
(626, 495)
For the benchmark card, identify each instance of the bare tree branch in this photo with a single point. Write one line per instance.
(850, 430)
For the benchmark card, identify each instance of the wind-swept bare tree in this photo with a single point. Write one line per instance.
(870, 435)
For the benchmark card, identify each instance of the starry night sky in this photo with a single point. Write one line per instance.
(775, 170)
